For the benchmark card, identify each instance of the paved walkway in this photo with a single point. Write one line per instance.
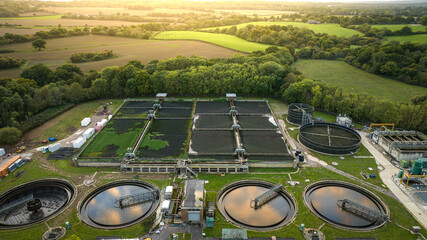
(386, 176)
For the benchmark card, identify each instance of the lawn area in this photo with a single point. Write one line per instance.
(354, 166)
(228, 41)
(395, 27)
(328, 28)
(34, 17)
(71, 118)
(421, 38)
(352, 79)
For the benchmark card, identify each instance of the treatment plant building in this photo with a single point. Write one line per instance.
(402, 145)
(192, 205)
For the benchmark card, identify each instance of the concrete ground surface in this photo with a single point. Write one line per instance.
(387, 177)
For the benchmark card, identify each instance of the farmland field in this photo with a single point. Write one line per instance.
(20, 31)
(395, 27)
(421, 38)
(46, 22)
(58, 51)
(329, 28)
(251, 12)
(34, 17)
(114, 10)
(224, 40)
(352, 79)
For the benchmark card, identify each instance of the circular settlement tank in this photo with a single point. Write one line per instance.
(33, 202)
(101, 209)
(322, 199)
(234, 203)
(297, 110)
(329, 138)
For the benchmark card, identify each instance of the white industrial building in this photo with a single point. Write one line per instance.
(344, 120)
(85, 122)
(168, 192)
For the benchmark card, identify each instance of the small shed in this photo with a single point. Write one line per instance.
(234, 234)
(2, 152)
(78, 143)
(168, 192)
(88, 133)
(230, 96)
(85, 122)
(165, 205)
(161, 96)
(54, 147)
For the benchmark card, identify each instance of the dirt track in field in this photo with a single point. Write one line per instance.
(58, 51)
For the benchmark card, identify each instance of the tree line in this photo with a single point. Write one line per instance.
(58, 32)
(372, 31)
(312, 45)
(10, 62)
(91, 56)
(404, 62)
(261, 74)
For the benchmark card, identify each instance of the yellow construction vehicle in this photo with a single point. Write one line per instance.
(383, 126)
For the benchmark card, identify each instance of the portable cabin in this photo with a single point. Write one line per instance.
(4, 169)
(97, 128)
(55, 147)
(78, 143)
(89, 133)
(85, 122)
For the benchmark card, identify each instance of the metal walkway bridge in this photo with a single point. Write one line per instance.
(130, 200)
(266, 197)
(362, 211)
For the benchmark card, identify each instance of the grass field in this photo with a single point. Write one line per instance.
(395, 27)
(421, 38)
(69, 119)
(351, 79)
(58, 51)
(329, 28)
(224, 40)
